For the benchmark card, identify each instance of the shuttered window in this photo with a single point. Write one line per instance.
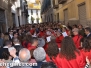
(82, 14)
(2, 16)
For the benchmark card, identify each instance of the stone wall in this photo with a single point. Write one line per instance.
(6, 6)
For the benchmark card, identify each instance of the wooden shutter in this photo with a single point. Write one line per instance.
(2, 16)
(82, 14)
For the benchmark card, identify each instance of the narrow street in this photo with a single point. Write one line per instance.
(45, 33)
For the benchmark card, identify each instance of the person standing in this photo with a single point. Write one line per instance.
(70, 56)
(10, 35)
(81, 30)
(77, 38)
(88, 32)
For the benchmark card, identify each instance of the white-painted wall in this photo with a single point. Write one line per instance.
(18, 13)
(13, 10)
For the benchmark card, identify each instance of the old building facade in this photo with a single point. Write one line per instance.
(47, 11)
(13, 13)
(5, 15)
(72, 11)
(19, 11)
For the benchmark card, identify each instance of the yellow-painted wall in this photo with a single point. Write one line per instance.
(73, 9)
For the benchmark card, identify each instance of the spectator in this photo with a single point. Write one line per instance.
(17, 46)
(6, 37)
(39, 55)
(15, 35)
(77, 38)
(41, 42)
(10, 35)
(4, 54)
(12, 52)
(70, 56)
(88, 32)
(48, 65)
(20, 35)
(19, 32)
(8, 44)
(24, 55)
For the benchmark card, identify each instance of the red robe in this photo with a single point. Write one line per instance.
(30, 47)
(86, 54)
(77, 40)
(41, 34)
(46, 46)
(79, 62)
(49, 60)
(32, 31)
(23, 43)
(59, 40)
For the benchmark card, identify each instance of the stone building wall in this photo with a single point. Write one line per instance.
(6, 6)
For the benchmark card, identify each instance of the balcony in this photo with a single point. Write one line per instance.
(13, 1)
(61, 1)
(55, 4)
(45, 6)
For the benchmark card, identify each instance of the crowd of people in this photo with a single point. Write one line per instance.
(50, 45)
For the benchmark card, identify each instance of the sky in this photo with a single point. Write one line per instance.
(32, 1)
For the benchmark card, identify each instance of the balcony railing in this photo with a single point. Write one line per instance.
(46, 5)
(12, 1)
(55, 6)
(61, 1)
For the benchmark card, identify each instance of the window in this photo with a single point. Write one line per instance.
(37, 20)
(51, 18)
(31, 12)
(57, 17)
(36, 12)
(32, 19)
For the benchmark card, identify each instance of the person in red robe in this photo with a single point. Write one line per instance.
(33, 43)
(52, 51)
(59, 39)
(30, 43)
(69, 56)
(41, 33)
(77, 38)
(32, 30)
(86, 45)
